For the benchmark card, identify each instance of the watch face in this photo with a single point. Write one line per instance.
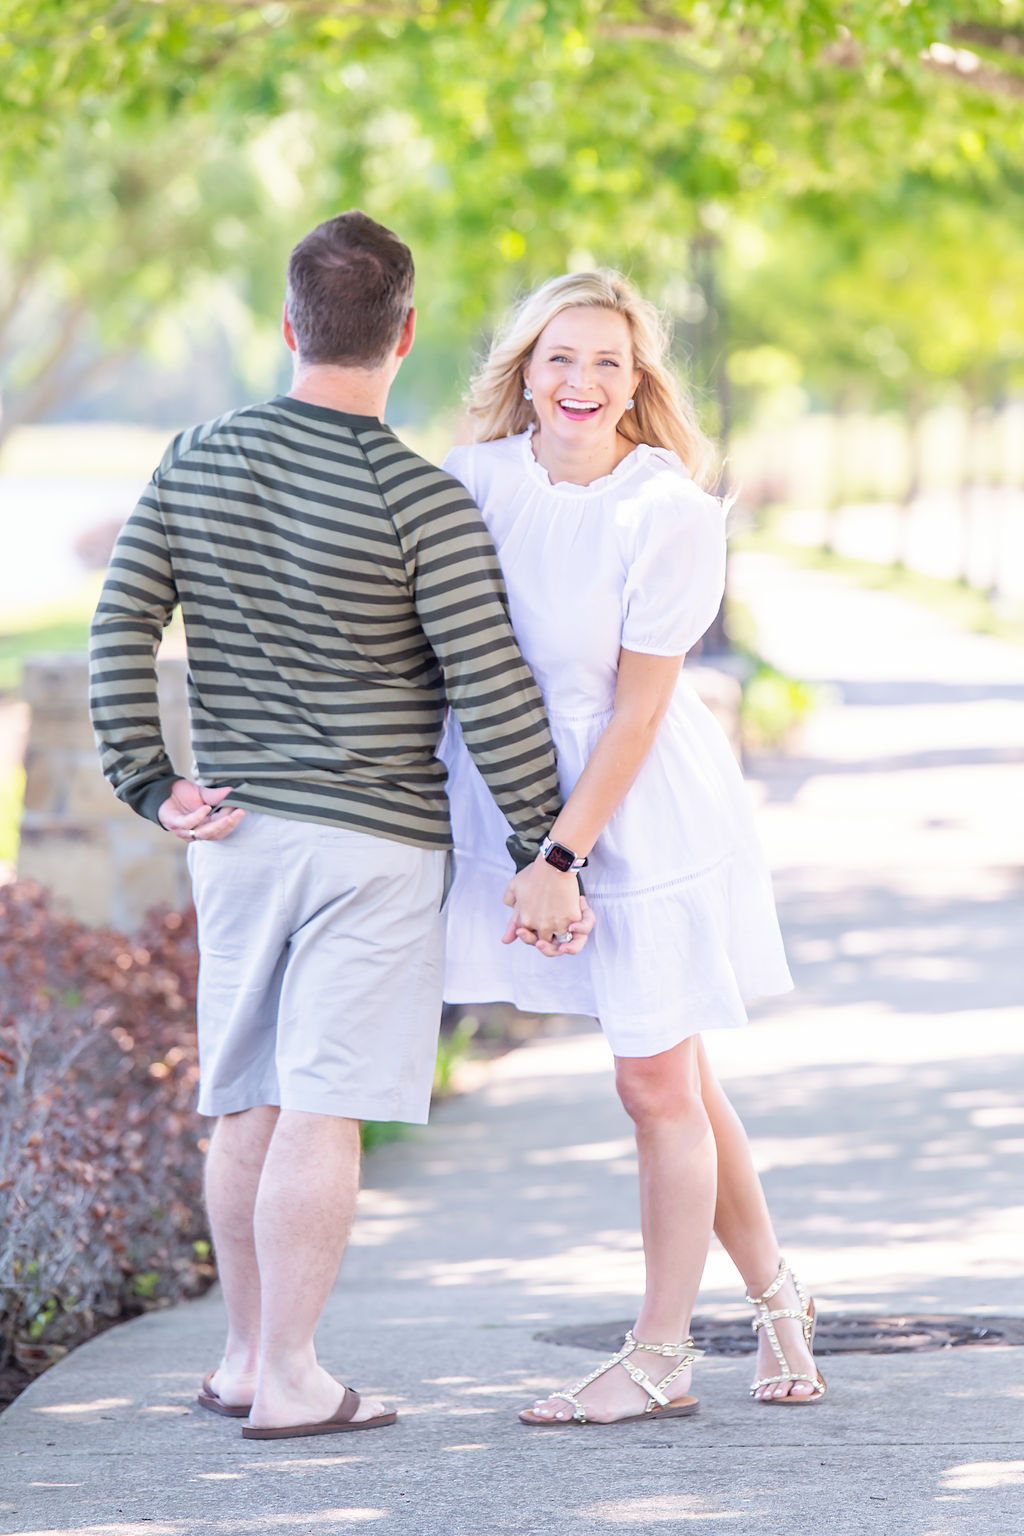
(561, 858)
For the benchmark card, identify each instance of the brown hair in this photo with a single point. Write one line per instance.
(349, 291)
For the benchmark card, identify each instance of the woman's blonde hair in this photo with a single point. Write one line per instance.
(663, 414)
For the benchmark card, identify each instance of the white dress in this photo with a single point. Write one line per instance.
(686, 926)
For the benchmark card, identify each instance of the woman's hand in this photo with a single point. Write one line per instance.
(546, 899)
(580, 931)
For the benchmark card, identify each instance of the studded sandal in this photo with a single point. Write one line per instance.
(659, 1405)
(767, 1319)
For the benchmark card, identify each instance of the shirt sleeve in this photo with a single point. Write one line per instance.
(459, 594)
(136, 603)
(676, 577)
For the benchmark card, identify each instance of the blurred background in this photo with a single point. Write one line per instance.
(826, 199)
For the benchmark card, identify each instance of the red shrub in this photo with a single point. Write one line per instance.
(100, 1146)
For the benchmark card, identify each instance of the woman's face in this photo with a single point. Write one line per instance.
(581, 374)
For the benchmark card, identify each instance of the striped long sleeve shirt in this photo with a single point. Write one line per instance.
(335, 590)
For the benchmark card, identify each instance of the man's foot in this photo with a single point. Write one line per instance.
(312, 1400)
(228, 1390)
(789, 1296)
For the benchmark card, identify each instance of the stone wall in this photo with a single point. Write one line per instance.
(103, 863)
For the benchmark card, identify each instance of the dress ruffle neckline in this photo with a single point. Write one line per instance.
(626, 467)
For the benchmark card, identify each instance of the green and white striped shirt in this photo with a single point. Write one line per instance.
(335, 589)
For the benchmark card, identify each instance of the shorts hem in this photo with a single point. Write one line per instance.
(355, 1106)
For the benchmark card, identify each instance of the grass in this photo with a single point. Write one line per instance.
(54, 627)
(956, 601)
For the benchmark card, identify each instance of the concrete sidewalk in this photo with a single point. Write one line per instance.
(884, 1102)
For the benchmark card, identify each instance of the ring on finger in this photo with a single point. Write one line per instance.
(562, 938)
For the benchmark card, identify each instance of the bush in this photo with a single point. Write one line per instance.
(100, 1146)
(774, 705)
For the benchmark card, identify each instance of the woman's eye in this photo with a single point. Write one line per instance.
(610, 362)
(559, 357)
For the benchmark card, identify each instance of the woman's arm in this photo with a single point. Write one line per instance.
(643, 692)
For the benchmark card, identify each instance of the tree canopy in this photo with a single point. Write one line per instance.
(848, 172)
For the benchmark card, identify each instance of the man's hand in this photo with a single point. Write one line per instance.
(547, 901)
(190, 812)
(580, 931)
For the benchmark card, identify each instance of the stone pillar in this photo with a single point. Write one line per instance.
(104, 864)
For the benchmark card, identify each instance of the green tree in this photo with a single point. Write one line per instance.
(505, 139)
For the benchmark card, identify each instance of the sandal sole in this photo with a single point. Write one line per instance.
(682, 1410)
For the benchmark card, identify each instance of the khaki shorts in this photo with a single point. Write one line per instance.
(321, 968)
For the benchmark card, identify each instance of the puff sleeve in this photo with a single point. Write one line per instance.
(676, 577)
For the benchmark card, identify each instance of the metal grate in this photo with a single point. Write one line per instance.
(837, 1333)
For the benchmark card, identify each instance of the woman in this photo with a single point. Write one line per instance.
(614, 562)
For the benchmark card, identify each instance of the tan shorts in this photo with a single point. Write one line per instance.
(321, 968)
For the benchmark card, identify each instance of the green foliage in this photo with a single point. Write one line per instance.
(452, 1049)
(12, 794)
(773, 706)
(152, 146)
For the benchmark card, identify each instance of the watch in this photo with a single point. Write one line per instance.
(560, 858)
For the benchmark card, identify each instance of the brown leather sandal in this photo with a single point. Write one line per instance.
(339, 1421)
(206, 1397)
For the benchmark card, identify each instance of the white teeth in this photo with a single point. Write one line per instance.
(579, 405)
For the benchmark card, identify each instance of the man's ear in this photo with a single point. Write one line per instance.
(287, 332)
(405, 341)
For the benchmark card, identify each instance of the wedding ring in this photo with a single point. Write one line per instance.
(562, 938)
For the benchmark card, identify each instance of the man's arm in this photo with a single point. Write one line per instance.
(136, 604)
(459, 593)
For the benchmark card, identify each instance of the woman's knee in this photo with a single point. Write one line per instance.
(654, 1088)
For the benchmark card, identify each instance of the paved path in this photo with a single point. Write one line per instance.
(884, 1099)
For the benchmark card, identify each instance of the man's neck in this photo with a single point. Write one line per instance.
(354, 391)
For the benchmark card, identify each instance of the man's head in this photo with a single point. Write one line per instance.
(350, 284)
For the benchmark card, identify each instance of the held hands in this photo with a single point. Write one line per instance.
(190, 813)
(547, 904)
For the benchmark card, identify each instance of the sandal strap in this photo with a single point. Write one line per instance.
(685, 1353)
(773, 1381)
(776, 1285)
(767, 1317)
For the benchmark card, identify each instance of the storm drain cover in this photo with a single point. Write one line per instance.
(838, 1333)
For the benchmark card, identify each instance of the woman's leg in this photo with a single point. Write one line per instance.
(744, 1228)
(676, 1151)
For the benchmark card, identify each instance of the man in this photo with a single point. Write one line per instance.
(334, 588)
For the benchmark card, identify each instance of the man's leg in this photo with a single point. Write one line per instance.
(234, 1164)
(304, 1209)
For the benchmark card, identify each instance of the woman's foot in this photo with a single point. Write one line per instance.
(608, 1395)
(784, 1294)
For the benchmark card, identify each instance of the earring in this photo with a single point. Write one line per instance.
(527, 392)
(629, 405)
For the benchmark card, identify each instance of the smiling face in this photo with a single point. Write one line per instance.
(581, 374)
